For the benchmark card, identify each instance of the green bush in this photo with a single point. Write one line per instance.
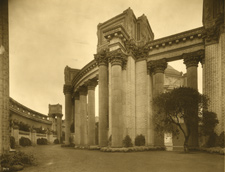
(16, 158)
(220, 140)
(24, 141)
(56, 141)
(140, 140)
(42, 141)
(12, 142)
(127, 142)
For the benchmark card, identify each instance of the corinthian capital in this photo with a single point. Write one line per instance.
(157, 66)
(101, 58)
(117, 57)
(67, 89)
(193, 58)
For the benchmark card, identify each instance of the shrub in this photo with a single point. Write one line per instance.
(215, 140)
(16, 158)
(12, 142)
(42, 141)
(56, 141)
(127, 142)
(220, 140)
(24, 141)
(140, 140)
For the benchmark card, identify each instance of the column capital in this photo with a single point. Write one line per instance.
(117, 57)
(101, 57)
(67, 89)
(157, 66)
(91, 84)
(193, 58)
(82, 90)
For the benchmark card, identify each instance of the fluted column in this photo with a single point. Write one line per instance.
(91, 112)
(83, 115)
(102, 61)
(157, 68)
(117, 60)
(77, 118)
(191, 61)
(68, 111)
(59, 126)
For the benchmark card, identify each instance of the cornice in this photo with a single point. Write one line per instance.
(118, 32)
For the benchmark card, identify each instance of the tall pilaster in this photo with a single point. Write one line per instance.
(68, 111)
(4, 77)
(191, 61)
(157, 68)
(91, 111)
(117, 59)
(83, 115)
(59, 126)
(102, 61)
(77, 118)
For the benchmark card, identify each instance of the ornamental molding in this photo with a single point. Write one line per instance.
(67, 89)
(157, 66)
(116, 32)
(193, 58)
(82, 90)
(117, 57)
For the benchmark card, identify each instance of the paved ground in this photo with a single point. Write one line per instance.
(53, 158)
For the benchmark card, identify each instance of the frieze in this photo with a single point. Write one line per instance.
(193, 58)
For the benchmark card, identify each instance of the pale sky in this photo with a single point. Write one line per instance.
(47, 35)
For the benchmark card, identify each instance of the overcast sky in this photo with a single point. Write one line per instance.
(47, 35)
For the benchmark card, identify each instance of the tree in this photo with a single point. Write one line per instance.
(181, 103)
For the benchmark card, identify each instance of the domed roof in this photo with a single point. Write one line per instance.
(171, 71)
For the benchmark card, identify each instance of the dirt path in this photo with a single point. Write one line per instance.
(53, 158)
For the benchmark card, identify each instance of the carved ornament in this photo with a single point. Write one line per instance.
(67, 89)
(117, 57)
(101, 58)
(193, 58)
(157, 66)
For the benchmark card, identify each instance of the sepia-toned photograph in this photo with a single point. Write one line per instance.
(112, 85)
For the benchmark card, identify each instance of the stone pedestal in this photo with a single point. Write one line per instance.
(91, 112)
(68, 112)
(83, 115)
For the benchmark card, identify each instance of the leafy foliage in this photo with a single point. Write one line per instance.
(215, 140)
(24, 141)
(42, 141)
(182, 104)
(140, 140)
(16, 158)
(127, 142)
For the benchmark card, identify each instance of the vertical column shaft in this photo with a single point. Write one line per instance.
(91, 115)
(68, 116)
(117, 130)
(83, 116)
(59, 126)
(77, 119)
(103, 105)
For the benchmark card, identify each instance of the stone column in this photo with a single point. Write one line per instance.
(59, 126)
(68, 111)
(91, 112)
(157, 68)
(117, 59)
(77, 118)
(102, 61)
(191, 61)
(4, 78)
(83, 115)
